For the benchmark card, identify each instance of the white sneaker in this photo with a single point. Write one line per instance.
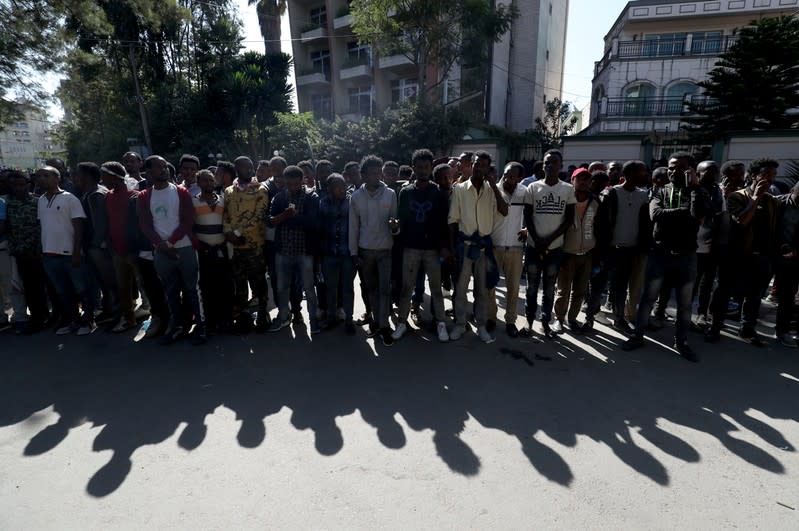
(557, 327)
(443, 336)
(87, 329)
(484, 336)
(457, 332)
(399, 332)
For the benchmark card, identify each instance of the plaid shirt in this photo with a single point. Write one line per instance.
(24, 232)
(297, 236)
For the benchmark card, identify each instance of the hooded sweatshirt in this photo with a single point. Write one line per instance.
(369, 213)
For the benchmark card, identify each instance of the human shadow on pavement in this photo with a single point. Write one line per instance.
(576, 387)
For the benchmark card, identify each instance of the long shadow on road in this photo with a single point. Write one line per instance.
(140, 394)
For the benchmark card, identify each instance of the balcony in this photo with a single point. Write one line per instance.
(313, 33)
(310, 78)
(395, 62)
(666, 49)
(652, 107)
(356, 67)
(342, 22)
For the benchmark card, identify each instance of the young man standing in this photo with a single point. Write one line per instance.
(244, 224)
(61, 216)
(676, 211)
(578, 246)
(474, 207)
(216, 278)
(508, 239)
(352, 174)
(133, 165)
(295, 215)
(423, 233)
(787, 266)
(337, 267)
(548, 213)
(166, 217)
(373, 221)
(707, 246)
(754, 213)
(188, 167)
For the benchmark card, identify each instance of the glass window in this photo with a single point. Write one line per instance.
(318, 16)
(638, 99)
(664, 44)
(403, 89)
(706, 43)
(321, 62)
(361, 100)
(322, 106)
(359, 53)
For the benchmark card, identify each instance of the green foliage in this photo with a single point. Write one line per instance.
(754, 84)
(555, 125)
(429, 32)
(293, 135)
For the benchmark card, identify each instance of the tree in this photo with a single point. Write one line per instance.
(754, 85)
(269, 13)
(294, 135)
(555, 125)
(429, 32)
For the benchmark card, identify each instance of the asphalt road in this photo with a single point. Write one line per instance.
(339, 433)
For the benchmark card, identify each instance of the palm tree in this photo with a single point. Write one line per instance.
(269, 13)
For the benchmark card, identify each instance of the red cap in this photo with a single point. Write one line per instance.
(580, 171)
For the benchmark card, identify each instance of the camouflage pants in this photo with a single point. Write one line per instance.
(249, 267)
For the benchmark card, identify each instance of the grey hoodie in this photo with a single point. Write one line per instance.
(369, 213)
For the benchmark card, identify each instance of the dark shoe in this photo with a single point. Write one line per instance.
(385, 337)
(575, 327)
(712, 336)
(172, 335)
(297, 318)
(526, 331)
(199, 336)
(262, 324)
(362, 320)
(491, 325)
(278, 325)
(587, 327)
(372, 331)
(511, 330)
(751, 337)
(686, 352)
(623, 326)
(349, 328)
(104, 317)
(548, 332)
(416, 315)
(633, 343)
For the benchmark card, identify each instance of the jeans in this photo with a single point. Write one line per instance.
(706, 267)
(295, 297)
(628, 265)
(339, 271)
(151, 287)
(477, 269)
(787, 272)
(102, 269)
(302, 265)
(69, 287)
(575, 272)
(509, 262)
(376, 278)
(679, 271)
(176, 274)
(216, 284)
(412, 259)
(539, 267)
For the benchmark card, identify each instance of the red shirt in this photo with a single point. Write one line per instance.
(117, 204)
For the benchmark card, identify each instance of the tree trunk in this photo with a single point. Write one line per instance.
(269, 21)
(140, 99)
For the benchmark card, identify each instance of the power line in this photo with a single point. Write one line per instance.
(536, 83)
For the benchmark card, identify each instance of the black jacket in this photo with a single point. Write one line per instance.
(423, 217)
(676, 214)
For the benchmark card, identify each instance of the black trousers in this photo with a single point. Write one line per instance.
(32, 274)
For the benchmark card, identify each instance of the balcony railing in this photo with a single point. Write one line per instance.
(667, 48)
(653, 107)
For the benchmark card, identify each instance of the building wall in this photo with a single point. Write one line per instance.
(26, 143)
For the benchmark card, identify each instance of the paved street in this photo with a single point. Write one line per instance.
(261, 431)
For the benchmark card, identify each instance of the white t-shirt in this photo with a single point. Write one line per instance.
(549, 208)
(165, 208)
(55, 215)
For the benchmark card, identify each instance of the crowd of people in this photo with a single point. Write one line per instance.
(201, 247)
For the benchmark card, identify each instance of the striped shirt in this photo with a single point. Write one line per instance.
(208, 220)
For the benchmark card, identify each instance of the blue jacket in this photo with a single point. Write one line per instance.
(335, 217)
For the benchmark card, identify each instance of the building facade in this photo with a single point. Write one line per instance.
(336, 76)
(27, 142)
(655, 54)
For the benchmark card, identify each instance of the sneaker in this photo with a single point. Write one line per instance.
(686, 352)
(484, 336)
(66, 329)
(141, 313)
(416, 314)
(557, 327)
(156, 328)
(457, 332)
(172, 335)
(633, 343)
(385, 337)
(526, 331)
(87, 328)
(123, 325)
(588, 327)
(511, 330)
(349, 328)
(575, 327)
(443, 335)
(751, 337)
(623, 326)
(548, 332)
(787, 340)
(199, 337)
(402, 328)
(607, 307)
(703, 322)
(278, 325)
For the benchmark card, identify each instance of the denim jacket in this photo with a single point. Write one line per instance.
(335, 217)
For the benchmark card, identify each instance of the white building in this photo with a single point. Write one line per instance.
(26, 143)
(655, 54)
(335, 76)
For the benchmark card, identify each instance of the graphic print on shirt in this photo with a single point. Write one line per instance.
(421, 209)
(549, 204)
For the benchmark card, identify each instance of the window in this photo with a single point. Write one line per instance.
(677, 95)
(664, 44)
(361, 100)
(638, 99)
(318, 16)
(706, 43)
(403, 89)
(321, 62)
(358, 54)
(322, 106)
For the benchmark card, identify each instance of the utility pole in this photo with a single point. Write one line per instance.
(139, 99)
